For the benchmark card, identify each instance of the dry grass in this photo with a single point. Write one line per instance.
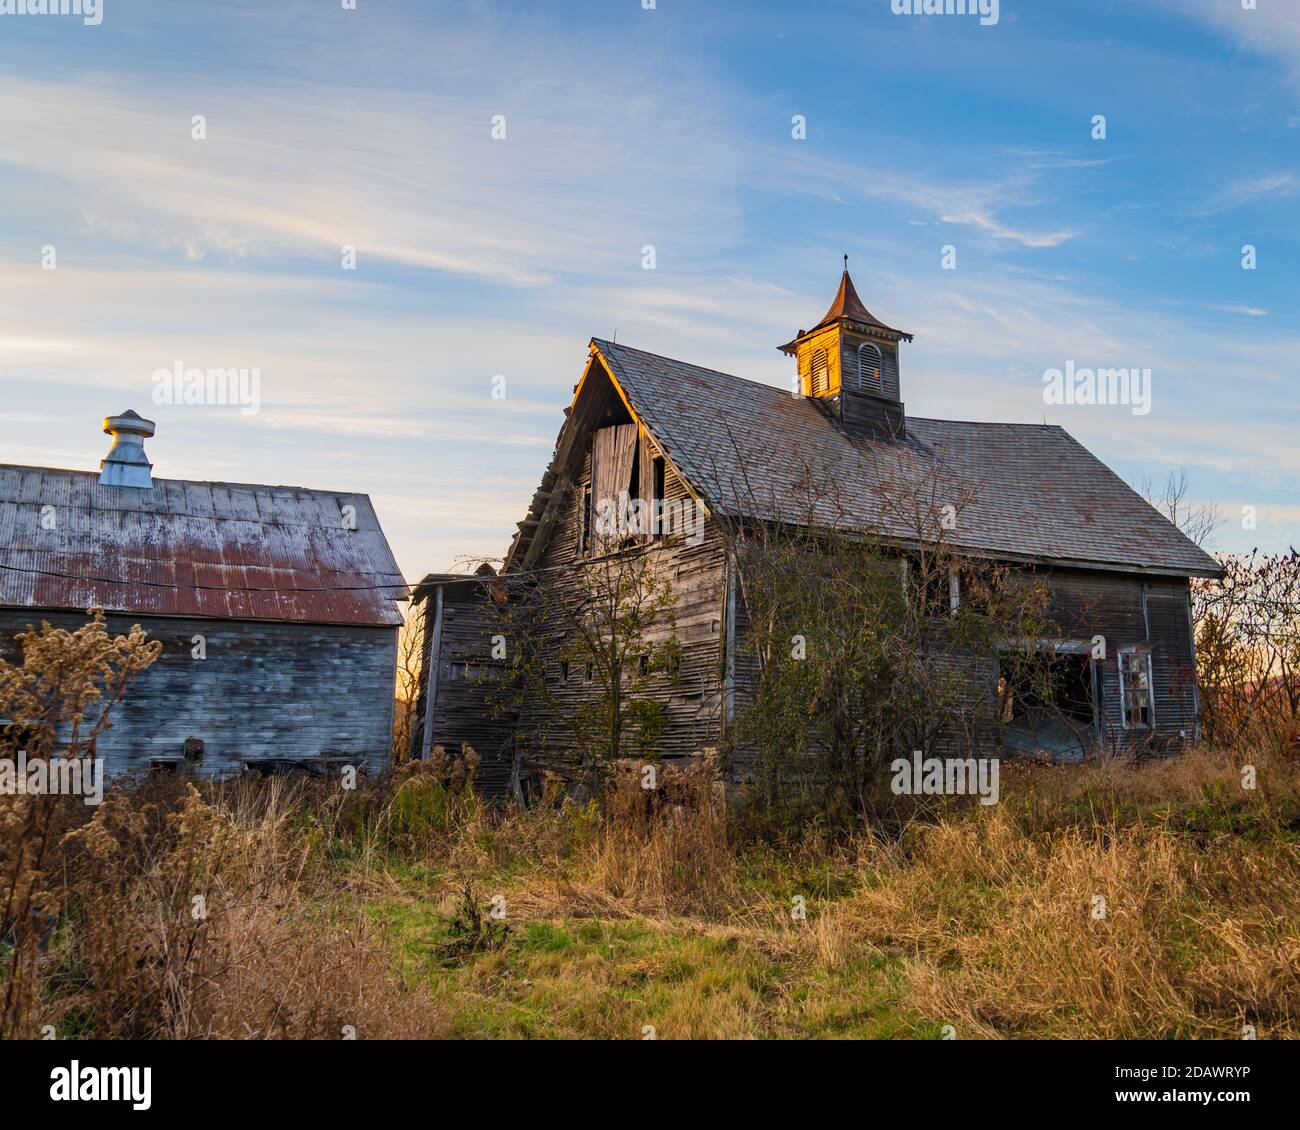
(373, 910)
(184, 918)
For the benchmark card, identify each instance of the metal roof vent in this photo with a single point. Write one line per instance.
(126, 464)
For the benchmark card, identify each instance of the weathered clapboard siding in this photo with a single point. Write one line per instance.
(1130, 610)
(692, 697)
(1172, 660)
(266, 690)
(469, 708)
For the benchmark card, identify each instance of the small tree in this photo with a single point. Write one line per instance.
(862, 652)
(585, 646)
(1247, 627)
(410, 642)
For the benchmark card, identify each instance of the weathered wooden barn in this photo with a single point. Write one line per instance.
(275, 607)
(654, 428)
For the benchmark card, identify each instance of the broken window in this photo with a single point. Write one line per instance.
(584, 521)
(1045, 701)
(977, 586)
(1135, 687)
(936, 588)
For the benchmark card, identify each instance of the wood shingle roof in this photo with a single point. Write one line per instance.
(1022, 491)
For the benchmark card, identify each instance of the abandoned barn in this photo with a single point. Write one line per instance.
(683, 439)
(275, 607)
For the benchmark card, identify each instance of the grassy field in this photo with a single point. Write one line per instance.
(327, 913)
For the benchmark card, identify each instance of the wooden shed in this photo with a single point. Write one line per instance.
(275, 605)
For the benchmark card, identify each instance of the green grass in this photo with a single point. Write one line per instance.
(584, 977)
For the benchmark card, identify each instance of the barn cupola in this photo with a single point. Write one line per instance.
(848, 362)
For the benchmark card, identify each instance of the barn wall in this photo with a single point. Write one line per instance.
(1127, 609)
(467, 709)
(1132, 610)
(265, 690)
(692, 697)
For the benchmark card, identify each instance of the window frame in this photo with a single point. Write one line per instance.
(877, 387)
(1126, 656)
(825, 370)
(944, 602)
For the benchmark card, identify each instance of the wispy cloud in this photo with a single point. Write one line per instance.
(1247, 311)
(1243, 192)
(978, 204)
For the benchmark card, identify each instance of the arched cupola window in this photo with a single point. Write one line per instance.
(870, 368)
(820, 376)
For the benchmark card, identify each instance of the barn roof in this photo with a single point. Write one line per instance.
(1025, 491)
(182, 548)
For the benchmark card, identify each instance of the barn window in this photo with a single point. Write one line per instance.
(1135, 687)
(821, 373)
(613, 481)
(933, 590)
(977, 587)
(564, 671)
(584, 521)
(870, 362)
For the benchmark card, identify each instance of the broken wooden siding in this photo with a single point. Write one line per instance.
(1133, 611)
(692, 696)
(265, 691)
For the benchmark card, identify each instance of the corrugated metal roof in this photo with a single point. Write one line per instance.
(1027, 491)
(222, 550)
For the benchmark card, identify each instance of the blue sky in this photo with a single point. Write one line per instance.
(626, 127)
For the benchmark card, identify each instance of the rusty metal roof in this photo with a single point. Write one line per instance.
(220, 550)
